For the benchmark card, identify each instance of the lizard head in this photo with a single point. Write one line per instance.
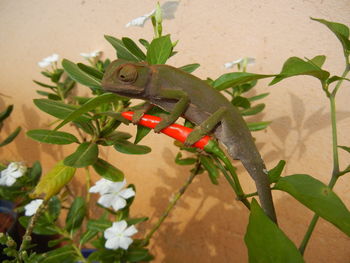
(125, 78)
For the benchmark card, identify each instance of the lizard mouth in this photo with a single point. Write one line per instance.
(128, 91)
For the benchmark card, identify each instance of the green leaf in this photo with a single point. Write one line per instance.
(258, 97)
(184, 161)
(49, 95)
(44, 85)
(345, 171)
(6, 113)
(234, 79)
(54, 209)
(11, 137)
(138, 255)
(134, 221)
(87, 236)
(80, 76)
(257, 126)
(122, 51)
(144, 43)
(318, 197)
(53, 137)
(56, 75)
(35, 172)
(318, 60)
(91, 71)
(117, 136)
(108, 171)
(133, 48)
(266, 243)
(55, 242)
(190, 67)
(209, 165)
(81, 100)
(345, 148)
(88, 106)
(340, 30)
(58, 109)
(295, 66)
(53, 181)
(142, 131)
(76, 214)
(130, 148)
(99, 225)
(42, 226)
(253, 110)
(275, 173)
(159, 50)
(335, 78)
(65, 254)
(241, 102)
(85, 155)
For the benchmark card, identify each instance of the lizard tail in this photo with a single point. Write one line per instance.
(256, 168)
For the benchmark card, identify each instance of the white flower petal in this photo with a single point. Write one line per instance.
(3, 180)
(106, 200)
(102, 186)
(118, 235)
(228, 65)
(53, 58)
(93, 54)
(118, 203)
(124, 242)
(168, 9)
(13, 171)
(131, 230)
(44, 64)
(112, 243)
(119, 226)
(32, 207)
(240, 62)
(117, 186)
(140, 21)
(127, 193)
(109, 233)
(85, 55)
(10, 181)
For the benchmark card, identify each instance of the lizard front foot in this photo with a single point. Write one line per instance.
(194, 136)
(165, 122)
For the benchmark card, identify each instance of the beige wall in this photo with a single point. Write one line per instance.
(206, 226)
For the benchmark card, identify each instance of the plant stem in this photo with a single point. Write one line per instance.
(172, 203)
(27, 236)
(233, 182)
(251, 194)
(88, 184)
(313, 222)
(335, 172)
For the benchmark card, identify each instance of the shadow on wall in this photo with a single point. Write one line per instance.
(208, 225)
(299, 128)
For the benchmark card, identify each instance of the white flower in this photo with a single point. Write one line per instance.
(112, 194)
(168, 11)
(118, 235)
(48, 61)
(242, 62)
(13, 171)
(93, 54)
(32, 207)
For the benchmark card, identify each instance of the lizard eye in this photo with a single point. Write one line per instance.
(127, 74)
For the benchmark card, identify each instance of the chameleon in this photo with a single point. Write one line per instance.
(184, 95)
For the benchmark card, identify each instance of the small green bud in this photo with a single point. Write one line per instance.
(158, 14)
(10, 243)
